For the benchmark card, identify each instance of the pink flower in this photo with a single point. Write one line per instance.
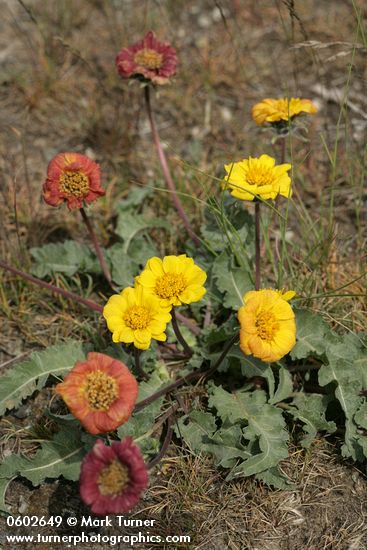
(113, 478)
(148, 59)
(72, 178)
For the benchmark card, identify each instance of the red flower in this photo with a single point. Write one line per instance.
(148, 59)
(100, 392)
(113, 478)
(72, 178)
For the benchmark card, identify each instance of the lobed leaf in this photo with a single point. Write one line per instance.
(234, 282)
(68, 257)
(310, 409)
(196, 428)
(312, 335)
(265, 427)
(28, 376)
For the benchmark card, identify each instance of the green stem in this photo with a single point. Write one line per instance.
(257, 246)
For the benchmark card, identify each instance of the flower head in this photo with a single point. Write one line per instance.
(258, 177)
(268, 327)
(278, 110)
(148, 59)
(113, 478)
(100, 392)
(135, 316)
(74, 179)
(175, 280)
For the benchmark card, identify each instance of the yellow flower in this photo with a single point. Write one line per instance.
(135, 316)
(268, 326)
(258, 177)
(175, 280)
(276, 110)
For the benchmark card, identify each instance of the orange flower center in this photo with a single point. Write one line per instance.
(170, 284)
(74, 184)
(266, 325)
(150, 59)
(113, 479)
(137, 317)
(259, 175)
(101, 390)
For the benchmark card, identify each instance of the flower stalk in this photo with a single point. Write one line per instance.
(138, 366)
(188, 351)
(166, 170)
(257, 246)
(100, 256)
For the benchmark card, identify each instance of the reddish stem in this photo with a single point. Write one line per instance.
(65, 293)
(166, 171)
(100, 256)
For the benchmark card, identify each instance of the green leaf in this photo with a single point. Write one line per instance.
(124, 267)
(274, 477)
(310, 409)
(251, 366)
(196, 428)
(347, 392)
(68, 257)
(130, 225)
(312, 335)
(235, 406)
(60, 456)
(23, 379)
(4, 484)
(361, 416)
(227, 447)
(135, 198)
(234, 282)
(285, 386)
(266, 427)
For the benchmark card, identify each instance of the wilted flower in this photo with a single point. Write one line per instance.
(258, 177)
(148, 59)
(100, 392)
(74, 179)
(278, 110)
(113, 478)
(136, 316)
(268, 327)
(175, 280)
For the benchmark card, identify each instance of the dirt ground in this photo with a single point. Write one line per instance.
(59, 91)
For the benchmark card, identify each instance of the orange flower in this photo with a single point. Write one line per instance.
(100, 392)
(72, 178)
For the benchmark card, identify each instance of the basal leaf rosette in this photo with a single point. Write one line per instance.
(136, 316)
(267, 324)
(257, 177)
(72, 178)
(113, 478)
(279, 110)
(175, 280)
(149, 59)
(100, 392)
